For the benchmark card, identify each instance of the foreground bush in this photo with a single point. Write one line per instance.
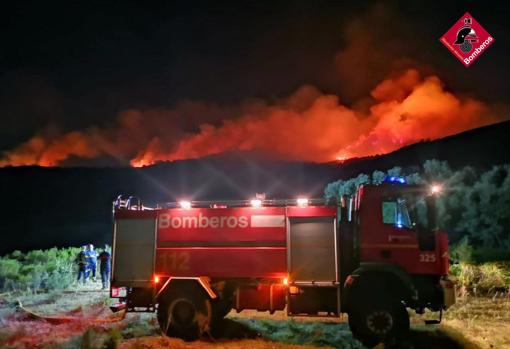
(483, 279)
(38, 270)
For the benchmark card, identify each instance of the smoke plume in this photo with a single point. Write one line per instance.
(390, 106)
(307, 125)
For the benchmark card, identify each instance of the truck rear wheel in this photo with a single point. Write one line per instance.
(184, 312)
(221, 308)
(223, 304)
(378, 321)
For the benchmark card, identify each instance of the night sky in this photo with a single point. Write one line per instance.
(70, 66)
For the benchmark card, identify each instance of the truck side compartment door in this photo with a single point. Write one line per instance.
(313, 264)
(134, 249)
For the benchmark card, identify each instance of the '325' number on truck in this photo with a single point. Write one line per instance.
(427, 257)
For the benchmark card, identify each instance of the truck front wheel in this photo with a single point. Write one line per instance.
(378, 321)
(184, 313)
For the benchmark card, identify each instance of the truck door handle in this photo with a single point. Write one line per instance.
(398, 238)
(385, 254)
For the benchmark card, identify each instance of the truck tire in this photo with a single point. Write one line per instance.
(221, 308)
(184, 312)
(378, 321)
(222, 305)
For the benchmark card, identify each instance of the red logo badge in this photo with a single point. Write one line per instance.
(467, 39)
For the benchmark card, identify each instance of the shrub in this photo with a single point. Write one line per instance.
(462, 252)
(481, 279)
(492, 276)
(38, 270)
(9, 269)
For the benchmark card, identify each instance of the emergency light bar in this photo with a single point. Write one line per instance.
(395, 179)
(255, 203)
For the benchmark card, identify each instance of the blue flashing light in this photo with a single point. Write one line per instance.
(395, 179)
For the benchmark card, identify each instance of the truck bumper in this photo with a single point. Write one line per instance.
(448, 288)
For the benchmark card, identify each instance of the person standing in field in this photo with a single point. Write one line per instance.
(81, 261)
(104, 267)
(91, 261)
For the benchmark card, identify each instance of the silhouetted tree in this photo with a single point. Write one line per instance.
(474, 208)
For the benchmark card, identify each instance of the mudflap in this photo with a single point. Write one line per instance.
(435, 322)
(448, 288)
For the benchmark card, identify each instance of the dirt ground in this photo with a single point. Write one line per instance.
(472, 323)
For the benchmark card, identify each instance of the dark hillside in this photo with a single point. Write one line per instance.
(43, 207)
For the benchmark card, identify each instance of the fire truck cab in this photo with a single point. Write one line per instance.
(373, 256)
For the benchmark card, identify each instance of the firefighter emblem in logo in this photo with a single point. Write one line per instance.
(466, 36)
(467, 39)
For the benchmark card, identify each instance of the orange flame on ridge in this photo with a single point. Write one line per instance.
(307, 126)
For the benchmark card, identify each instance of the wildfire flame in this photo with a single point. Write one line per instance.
(308, 125)
(408, 109)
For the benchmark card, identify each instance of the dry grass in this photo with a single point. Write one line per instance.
(165, 342)
(484, 321)
(473, 323)
(16, 332)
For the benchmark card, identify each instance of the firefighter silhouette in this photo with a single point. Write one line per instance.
(465, 36)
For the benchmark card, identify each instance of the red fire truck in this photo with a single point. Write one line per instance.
(373, 256)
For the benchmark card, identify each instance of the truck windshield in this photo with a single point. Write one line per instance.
(395, 212)
(406, 211)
